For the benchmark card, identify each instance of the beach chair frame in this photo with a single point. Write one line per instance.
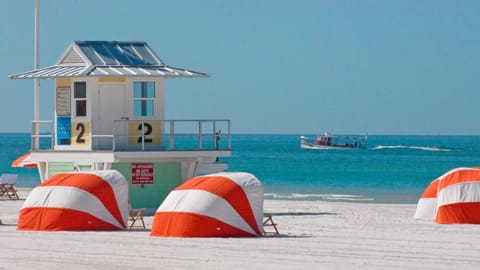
(7, 186)
(268, 222)
(135, 214)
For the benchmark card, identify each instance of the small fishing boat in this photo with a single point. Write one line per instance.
(330, 141)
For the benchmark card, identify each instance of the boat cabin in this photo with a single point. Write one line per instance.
(110, 114)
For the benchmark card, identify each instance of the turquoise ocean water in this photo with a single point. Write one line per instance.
(392, 168)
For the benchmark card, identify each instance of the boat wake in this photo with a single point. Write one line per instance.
(424, 148)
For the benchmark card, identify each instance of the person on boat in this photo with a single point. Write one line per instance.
(217, 138)
(320, 140)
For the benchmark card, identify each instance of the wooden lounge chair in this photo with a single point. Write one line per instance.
(135, 214)
(268, 222)
(7, 186)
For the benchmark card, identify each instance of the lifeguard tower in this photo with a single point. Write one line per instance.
(109, 114)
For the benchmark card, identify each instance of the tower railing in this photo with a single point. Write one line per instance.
(139, 135)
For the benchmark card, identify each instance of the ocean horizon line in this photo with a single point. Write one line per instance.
(306, 133)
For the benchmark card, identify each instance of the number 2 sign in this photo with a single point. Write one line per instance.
(142, 132)
(80, 133)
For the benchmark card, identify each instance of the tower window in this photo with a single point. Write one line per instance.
(143, 98)
(80, 97)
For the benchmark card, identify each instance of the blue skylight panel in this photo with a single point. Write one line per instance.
(90, 53)
(118, 54)
(132, 54)
(146, 54)
(104, 54)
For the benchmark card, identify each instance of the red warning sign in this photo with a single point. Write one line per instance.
(142, 173)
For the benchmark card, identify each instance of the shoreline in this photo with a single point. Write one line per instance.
(313, 234)
(329, 197)
(348, 198)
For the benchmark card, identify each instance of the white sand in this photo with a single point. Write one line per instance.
(314, 235)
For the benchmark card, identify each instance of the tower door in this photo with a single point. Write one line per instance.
(111, 106)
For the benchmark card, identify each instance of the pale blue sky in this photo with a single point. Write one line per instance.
(381, 67)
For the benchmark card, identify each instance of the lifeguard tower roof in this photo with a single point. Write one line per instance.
(109, 58)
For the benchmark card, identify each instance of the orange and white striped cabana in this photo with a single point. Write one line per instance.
(216, 205)
(427, 204)
(24, 161)
(96, 200)
(457, 197)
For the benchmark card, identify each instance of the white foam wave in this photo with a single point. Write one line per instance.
(326, 197)
(424, 148)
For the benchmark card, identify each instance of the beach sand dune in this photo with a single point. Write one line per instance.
(314, 235)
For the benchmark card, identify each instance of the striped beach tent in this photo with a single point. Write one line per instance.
(427, 204)
(95, 200)
(24, 161)
(215, 205)
(457, 197)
